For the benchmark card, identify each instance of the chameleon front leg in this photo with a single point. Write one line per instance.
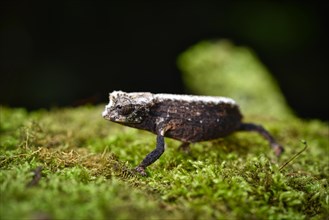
(278, 149)
(153, 156)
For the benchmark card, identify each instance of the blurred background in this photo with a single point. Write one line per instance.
(73, 53)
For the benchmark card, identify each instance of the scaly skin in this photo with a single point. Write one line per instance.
(186, 118)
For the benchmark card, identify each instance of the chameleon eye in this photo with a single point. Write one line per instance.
(126, 110)
(124, 106)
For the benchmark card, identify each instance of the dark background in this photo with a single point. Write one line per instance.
(72, 53)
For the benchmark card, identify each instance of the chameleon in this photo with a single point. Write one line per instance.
(187, 118)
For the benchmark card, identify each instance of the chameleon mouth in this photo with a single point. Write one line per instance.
(115, 118)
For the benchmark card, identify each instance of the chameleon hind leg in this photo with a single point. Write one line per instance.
(185, 147)
(277, 148)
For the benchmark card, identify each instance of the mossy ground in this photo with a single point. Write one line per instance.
(87, 173)
(72, 164)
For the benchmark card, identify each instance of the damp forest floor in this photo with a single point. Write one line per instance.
(69, 163)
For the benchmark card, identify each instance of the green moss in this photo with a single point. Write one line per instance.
(87, 162)
(87, 165)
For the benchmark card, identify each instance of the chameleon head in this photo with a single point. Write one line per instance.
(127, 108)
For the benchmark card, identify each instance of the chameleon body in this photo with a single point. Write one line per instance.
(186, 118)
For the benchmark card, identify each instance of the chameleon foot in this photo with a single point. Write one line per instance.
(141, 170)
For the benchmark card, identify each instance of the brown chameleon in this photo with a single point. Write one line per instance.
(187, 118)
